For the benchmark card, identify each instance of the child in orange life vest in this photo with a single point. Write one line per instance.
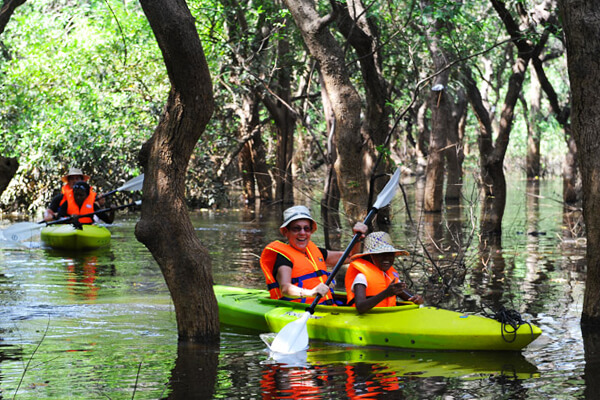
(297, 270)
(371, 280)
(82, 202)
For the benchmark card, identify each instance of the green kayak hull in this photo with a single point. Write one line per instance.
(407, 326)
(67, 237)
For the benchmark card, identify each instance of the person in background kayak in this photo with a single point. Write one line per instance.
(297, 270)
(82, 202)
(371, 280)
(73, 176)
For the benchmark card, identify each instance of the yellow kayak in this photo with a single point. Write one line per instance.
(407, 326)
(67, 237)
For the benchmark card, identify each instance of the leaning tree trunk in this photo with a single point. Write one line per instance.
(165, 227)
(345, 102)
(581, 23)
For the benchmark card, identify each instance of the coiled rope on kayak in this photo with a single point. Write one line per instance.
(508, 318)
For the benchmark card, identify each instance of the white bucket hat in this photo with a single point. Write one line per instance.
(75, 171)
(294, 213)
(377, 243)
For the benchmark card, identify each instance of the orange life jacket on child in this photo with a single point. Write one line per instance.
(377, 280)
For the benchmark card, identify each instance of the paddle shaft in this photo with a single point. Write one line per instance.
(68, 219)
(371, 214)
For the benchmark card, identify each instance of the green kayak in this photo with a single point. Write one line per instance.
(67, 237)
(406, 326)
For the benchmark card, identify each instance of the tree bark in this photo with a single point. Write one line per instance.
(362, 33)
(165, 227)
(345, 102)
(8, 168)
(330, 203)
(532, 168)
(285, 124)
(581, 23)
(7, 10)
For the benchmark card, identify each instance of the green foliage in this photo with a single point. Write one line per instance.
(79, 89)
(84, 83)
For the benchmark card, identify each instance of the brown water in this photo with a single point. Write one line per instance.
(101, 325)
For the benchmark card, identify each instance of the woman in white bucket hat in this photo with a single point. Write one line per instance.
(297, 270)
(371, 280)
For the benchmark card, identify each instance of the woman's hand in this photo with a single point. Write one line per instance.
(361, 228)
(321, 289)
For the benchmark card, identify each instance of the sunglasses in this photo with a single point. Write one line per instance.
(297, 229)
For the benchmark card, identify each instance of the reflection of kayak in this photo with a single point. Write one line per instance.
(457, 364)
(69, 238)
(405, 326)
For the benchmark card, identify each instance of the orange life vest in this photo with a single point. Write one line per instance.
(86, 208)
(308, 270)
(377, 281)
(67, 192)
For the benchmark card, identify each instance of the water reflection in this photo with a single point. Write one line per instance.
(195, 373)
(351, 372)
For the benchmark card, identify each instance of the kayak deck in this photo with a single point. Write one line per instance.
(67, 237)
(405, 326)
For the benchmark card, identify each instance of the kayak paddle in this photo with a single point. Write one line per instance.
(293, 337)
(24, 230)
(129, 186)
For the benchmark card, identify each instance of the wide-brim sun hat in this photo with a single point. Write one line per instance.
(294, 213)
(378, 243)
(75, 171)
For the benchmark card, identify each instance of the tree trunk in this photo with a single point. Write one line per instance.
(247, 172)
(285, 124)
(7, 10)
(570, 171)
(345, 102)
(165, 227)
(581, 23)
(492, 179)
(454, 152)
(330, 203)
(251, 159)
(532, 169)
(8, 168)
(362, 33)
